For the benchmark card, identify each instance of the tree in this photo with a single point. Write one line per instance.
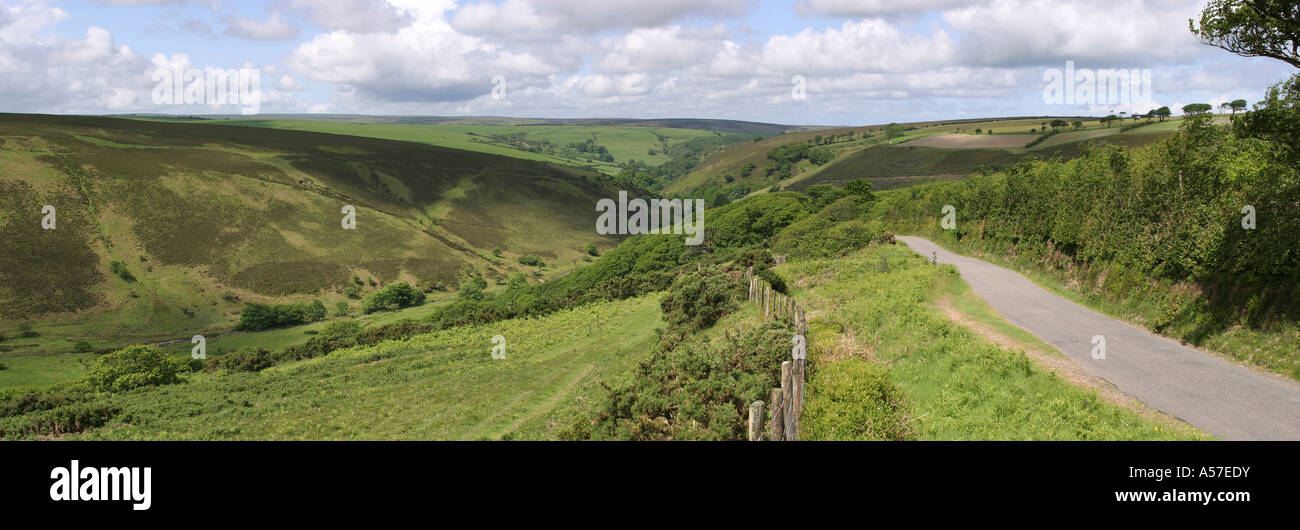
(1197, 108)
(1058, 123)
(1078, 125)
(1162, 113)
(859, 189)
(1236, 105)
(1252, 28)
(893, 130)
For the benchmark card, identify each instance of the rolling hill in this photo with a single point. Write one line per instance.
(917, 152)
(166, 229)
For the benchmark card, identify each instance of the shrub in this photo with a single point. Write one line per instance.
(393, 296)
(698, 299)
(25, 330)
(471, 288)
(256, 317)
(341, 308)
(119, 269)
(248, 359)
(818, 237)
(592, 250)
(692, 389)
(773, 279)
(132, 367)
(82, 346)
(531, 260)
(336, 336)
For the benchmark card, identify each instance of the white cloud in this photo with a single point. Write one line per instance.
(273, 28)
(522, 19)
(875, 8)
(357, 16)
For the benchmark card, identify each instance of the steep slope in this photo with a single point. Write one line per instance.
(170, 227)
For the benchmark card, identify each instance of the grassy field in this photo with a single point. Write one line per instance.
(624, 143)
(889, 364)
(166, 230)
(442, 385)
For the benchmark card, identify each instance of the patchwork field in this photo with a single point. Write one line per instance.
(931, 151)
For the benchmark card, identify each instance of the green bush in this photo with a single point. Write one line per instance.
(592, 250)
(691, 389)
(249, 359)
(698, 299)
(82, 346)
(256, 317)
(25, 331)
(531, 260)
(773, 279)
(132, 367)
(392, 296)
(119, 269)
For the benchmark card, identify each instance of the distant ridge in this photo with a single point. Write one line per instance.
(728, 126)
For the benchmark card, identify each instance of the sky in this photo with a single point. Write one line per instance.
(825, 62)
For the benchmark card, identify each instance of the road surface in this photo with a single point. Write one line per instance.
(1221, 398)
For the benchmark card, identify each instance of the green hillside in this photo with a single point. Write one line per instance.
(168, 229)
(441, 385)
(548, 143)
(905, 155)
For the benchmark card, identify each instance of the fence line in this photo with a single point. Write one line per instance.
(786, 402)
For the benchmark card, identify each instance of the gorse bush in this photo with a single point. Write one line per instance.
(698, 299)
(691, 389)
(132, 367)
(251, 359)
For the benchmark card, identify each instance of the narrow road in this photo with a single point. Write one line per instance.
(1224, 399)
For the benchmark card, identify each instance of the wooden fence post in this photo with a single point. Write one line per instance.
(756, 421)
(778, 417)
(796, 407)
(787, 388)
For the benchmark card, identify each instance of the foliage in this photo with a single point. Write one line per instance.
(119, 269)
(132, 367)
(698, 299)
(1252, 28)
(249, 359)
(392, 296)
(257, 316)
(692, 389)
(854, 400)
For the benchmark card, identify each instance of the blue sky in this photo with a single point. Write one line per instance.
(864, 61)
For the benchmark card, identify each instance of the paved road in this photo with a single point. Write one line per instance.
(1217, 396)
